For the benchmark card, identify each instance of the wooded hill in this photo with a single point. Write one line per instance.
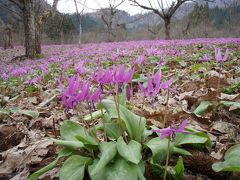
(191, 20)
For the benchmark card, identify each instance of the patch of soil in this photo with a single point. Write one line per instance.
(11, 137)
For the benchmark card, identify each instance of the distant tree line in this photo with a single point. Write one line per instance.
(110, 22)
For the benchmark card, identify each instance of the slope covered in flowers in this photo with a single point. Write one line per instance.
(159, 84)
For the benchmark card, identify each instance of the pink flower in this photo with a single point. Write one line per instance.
(80, 68)
(154, 86)
(35, 80)
(95, 97)
(172, 130)
(120, 75)
(218, 56)
(206, 57)
(142, 59)
(166, 85)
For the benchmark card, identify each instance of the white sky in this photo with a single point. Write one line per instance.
(67, 6)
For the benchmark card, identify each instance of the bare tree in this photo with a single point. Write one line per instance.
(164, 9)
(231, 8)
(33, 16)
(8, 38)
(79, 16)
(28, 14)
(43, 12)
(107, 16)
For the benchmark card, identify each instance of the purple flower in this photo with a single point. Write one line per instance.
(206, 57)
(72, 95)
(128, 75)
(152, 51)
(97, 75)
(166, 85)
(153, 86)
(107, 78)
(122, 76)
(95, 97)
(161, 61)
(172, 130)
(80, 68)
(101, 77)
(218, 56)
(35, 80)
(114, 57)
(142, 59)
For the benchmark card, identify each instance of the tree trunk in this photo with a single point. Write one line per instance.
(80, 31)
(10, 37)
(109, 34)
(29, 26)
(38, 39)
(62, 37)
(167, 28)
(7, 37)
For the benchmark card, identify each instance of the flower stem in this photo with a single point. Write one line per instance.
(165, 114)
(90, 111)
(140, 121)
(104, 131)
(167, 158)
(80, 115)
(82, 120)
(116, 100)
(54, 128)
(218, 84)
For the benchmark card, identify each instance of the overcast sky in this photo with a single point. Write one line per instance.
(67, 6)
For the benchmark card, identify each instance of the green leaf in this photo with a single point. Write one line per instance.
(227, 165)
(189, 139)
(195, 141)
(74, 167)
(196, 67)
(47, 101)
(108, 152)
(182, 63)
(119, 169)
(135, 124)
(95, 115)
(177, 150)
(159, 149)
(69, 144)
(165, 68)
(140, 79)
(231, 160)
(69, 130)
(202, 108)
(179, 169)
(131, 151)
(5, 111)
(123, 97)
(32, 114)
(74, 132)
(141, 170)
(230, 103)
(113, 130)
(232, 152)
(63, 153)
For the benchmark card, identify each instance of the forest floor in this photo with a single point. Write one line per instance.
(204, 92)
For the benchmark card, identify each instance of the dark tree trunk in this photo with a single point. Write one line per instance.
(110, 34)
(38, 39)
(29, 26)
(7, 36)
(167, 28)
